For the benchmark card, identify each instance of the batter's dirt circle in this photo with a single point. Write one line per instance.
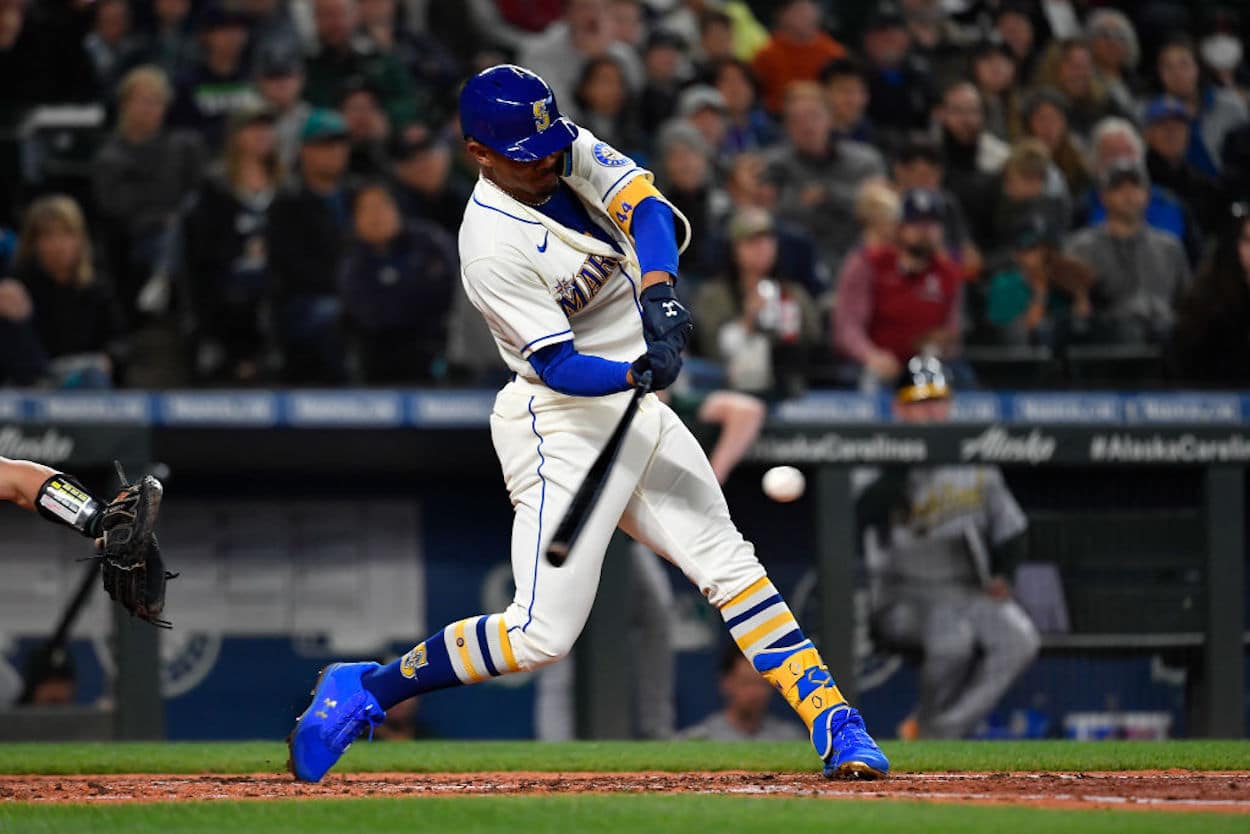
(1180, 790)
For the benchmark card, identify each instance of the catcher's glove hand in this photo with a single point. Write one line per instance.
(131, 565)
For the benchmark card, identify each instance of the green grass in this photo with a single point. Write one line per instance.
(465, 757)
(601, 814)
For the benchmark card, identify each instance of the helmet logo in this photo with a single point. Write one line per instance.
(542, 119)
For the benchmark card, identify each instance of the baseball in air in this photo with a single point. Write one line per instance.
(784, 484)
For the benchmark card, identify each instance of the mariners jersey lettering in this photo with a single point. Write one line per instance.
(576, 292)
(539, 282)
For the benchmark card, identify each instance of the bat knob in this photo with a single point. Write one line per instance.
(644, 380)
(557, 552)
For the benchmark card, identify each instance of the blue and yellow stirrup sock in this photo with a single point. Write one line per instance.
(767, 633)
(467, 651)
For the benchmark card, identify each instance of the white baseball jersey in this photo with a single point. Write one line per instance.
(539, 283)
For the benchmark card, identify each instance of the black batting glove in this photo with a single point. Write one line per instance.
(663, 316)
(662, 361)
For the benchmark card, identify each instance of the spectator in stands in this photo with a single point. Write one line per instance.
(749, 36)
(704, 108)
(1116, 52)
(1117, 140)
(748, 127)
(1045, 118)
(220, 82)
(586, 32)
(344, 53)
(42, 61)
(685, 173)
(1212, 338)
(897, 300)
(797, 50)
(74, 313)
(23, 360)
(604, 106)
(308, 226)
(280, 82)
(1069, 68)
(900, 90)
(760, 325)
(878, 209)
(818, 176)
(716, 38)
(993, 71)
(225, 254)
(973, 156)
(919, 165)
(1236, 158)
(1221, 46)
(142, 176)
(934, 40)
(1139, 272)
(433, 69)
(171, 45)
(1167, 138)
(941, 545)
(368, 129)
(47, 56)
(1043, 297)
(629, 25)
(745, 716)
(1024, 193)
(1015, 26)
(395, 289)
(667, 70)
(424, 187)
(747, 185)
(512, 25)
(269, 22)
(1213, 111)
(846, 89)
(110, 44)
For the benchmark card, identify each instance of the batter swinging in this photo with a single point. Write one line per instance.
(570, 254)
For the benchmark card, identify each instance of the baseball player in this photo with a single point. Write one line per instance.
(939, 544)
(570, 254)
(131, 565)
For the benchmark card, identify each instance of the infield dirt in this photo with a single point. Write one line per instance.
(1180, 790)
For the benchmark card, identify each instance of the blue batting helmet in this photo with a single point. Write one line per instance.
(511, 110)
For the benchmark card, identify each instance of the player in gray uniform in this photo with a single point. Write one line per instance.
(940, 545)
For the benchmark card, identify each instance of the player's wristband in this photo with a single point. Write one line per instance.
(64, 500)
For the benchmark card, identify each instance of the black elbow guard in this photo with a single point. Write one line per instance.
(64, 500)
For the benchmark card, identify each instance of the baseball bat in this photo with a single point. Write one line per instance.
(588, 493)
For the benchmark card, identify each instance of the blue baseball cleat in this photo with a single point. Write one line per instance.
(340, 711)
(843, 743)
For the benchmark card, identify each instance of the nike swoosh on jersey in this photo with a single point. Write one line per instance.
(543, 247)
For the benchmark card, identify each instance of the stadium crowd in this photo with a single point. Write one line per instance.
(268, 192)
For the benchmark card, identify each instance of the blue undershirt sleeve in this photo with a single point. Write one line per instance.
(654, 237)
(565, 370)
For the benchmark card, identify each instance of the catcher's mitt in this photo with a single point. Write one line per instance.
(131, 565)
